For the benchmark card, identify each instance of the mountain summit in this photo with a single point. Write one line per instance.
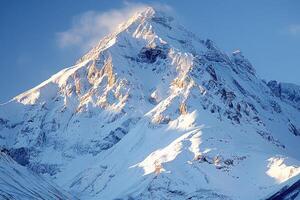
(154, 112)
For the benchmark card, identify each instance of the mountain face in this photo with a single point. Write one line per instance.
(154, 112)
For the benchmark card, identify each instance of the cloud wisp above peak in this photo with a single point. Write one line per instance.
(89, 27)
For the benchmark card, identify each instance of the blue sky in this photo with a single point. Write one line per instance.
(39, 38)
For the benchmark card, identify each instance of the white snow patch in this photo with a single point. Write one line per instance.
(280, 171)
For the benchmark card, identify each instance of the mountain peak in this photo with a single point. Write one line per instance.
(139, 24)
(150, 13)
(146, 12)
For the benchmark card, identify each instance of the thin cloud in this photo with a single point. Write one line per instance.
(294, 29)
(89, 27)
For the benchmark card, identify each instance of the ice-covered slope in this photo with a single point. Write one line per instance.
(154, 112)
(17, 182)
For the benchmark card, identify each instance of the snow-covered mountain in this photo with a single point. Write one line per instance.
(154, 112)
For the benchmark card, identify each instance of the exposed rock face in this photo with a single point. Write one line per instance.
(150, 54)
(20, 155)
(242, 63)
(287, 92)
(154, 112)
(275, 87)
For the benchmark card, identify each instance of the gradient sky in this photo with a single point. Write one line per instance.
(39, 38)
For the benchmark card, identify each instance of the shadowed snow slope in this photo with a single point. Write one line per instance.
(17, 182)
(154, 112)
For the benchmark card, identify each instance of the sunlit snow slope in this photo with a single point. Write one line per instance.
(154, 112)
